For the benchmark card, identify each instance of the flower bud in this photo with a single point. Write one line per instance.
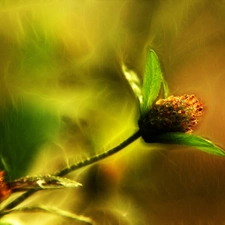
(173, 114)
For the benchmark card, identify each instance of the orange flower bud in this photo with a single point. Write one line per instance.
(173, 114)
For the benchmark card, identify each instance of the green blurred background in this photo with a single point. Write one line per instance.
(64, 97)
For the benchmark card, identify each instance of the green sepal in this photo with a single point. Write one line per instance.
(190, 140)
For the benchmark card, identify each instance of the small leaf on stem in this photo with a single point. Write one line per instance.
(190, 140)
(152, 82)
(41, 182)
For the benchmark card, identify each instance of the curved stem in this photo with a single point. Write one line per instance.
(99, 157)
(79, 165)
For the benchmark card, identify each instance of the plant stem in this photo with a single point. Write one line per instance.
(77, 166)
(99, 157)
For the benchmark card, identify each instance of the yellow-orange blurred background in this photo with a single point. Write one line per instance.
(66, 57)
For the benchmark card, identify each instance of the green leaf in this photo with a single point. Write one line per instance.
(152, 82)
(190, 140)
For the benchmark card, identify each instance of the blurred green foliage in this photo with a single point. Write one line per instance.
(24, 129)
(35, 57)
(5, 223)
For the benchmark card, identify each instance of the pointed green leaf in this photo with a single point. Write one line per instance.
(191, 140)
(152, 81)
